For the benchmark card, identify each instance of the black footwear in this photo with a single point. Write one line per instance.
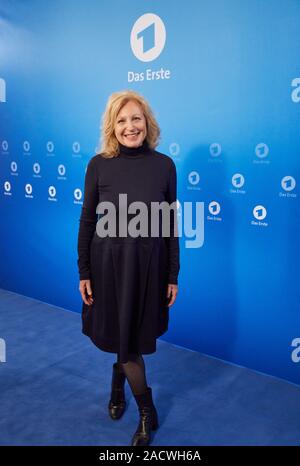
(148, 419)
(117, 402)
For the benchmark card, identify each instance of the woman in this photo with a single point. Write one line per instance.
(128, 281)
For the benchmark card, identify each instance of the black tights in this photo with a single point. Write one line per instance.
(135, 373)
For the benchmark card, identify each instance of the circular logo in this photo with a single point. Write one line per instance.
(261, 150)
(77, 194)
(61, 170)
(194, 177)
(50, 146)
(215, 149)
(36, 168)
(259, 212)
(26, 146)
(174, 148)
(214, 207)
(76, 147)
(4, 145)
(51, 191)
(14, 166)
(28, 188)
(238, 180)
(148, 37)
(288, 183)
(7, 186)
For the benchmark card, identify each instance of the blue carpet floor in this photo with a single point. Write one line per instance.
(55, 386)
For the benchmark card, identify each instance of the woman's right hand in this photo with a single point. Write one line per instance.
(86, 292)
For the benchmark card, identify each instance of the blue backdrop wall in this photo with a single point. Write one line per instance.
(223, 78)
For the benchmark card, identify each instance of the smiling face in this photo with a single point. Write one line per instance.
(130, 125)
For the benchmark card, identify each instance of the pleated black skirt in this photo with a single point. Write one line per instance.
(129, 283)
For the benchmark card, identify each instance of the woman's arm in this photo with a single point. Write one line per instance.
(88, 219)
(173, 241)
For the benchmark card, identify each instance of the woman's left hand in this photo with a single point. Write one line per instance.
(172, 292)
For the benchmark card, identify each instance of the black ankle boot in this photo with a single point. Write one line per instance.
(148, 418)
(117, 402)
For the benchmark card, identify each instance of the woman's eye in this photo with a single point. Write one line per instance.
(122, 121)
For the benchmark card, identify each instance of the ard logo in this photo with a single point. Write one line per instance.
(2, 350)
(148, 37)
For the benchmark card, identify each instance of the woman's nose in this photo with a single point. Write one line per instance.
(130, 124)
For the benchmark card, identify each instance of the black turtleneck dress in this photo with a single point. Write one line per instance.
(129, 275)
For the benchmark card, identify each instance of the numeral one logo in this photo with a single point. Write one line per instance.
(261, 150)
(148, 37)
(214, 208)
(260, 212)
(288, 183)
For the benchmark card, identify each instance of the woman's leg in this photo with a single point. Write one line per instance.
(136, 376)
(119, 364)
(117, 402)
(135, 373)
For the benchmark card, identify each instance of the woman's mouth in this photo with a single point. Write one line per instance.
(132, 135)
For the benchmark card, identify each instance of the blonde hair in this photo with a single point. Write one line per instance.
(110, 145)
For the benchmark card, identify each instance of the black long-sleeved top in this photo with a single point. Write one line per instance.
(144, 175)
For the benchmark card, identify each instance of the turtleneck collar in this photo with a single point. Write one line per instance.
(134, 152)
